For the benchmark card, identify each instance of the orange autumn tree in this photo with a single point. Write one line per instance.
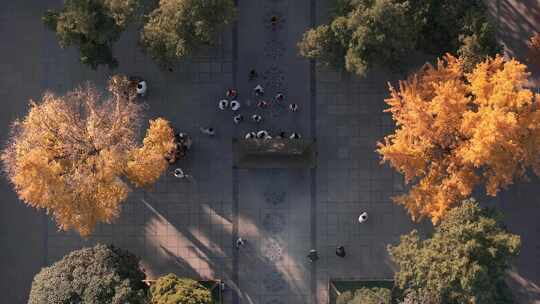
(70, 154)
(148, 162)
(455, 131)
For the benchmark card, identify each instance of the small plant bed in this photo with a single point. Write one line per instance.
(172, 288)
(343, 291)
(214, 287)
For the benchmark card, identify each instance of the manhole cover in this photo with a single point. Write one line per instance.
(272, 250)
(274, 49)
(274, 222)
(274, 282)
(274, 197)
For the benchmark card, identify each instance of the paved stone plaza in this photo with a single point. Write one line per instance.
(189, 227)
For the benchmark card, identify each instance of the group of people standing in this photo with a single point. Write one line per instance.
(231, 103)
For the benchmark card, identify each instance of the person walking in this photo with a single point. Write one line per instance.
(141, 88)
(259, 90)
(263, 134)
(239, 242)
(313, 256)
(223, 104)
(263, 104)
(208, 131)
(179, 173)
(250, 135)
(294, 135)
(340, 251)
(293, 107)
(253, 75)
(280, 97)
(363, 217)
(274, 20)
(231, 93)
(256, 118)
(238, 118)
(235, 105)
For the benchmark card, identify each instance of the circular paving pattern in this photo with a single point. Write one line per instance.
(274, 20)
(274, 49)
(272, 250)
(274, 282)
(273, 78)
(274, 222)
(275, 197)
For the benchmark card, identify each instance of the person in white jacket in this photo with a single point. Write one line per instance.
(223, 104)
(235, 105)
(141, 88)
(363, 217)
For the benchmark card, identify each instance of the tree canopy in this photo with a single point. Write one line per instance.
(533, 45)
(171, 289)
(456, 130)
(96, 275)
(93, 26)
(146, 163)
(464, 261)
(70, 155)
(365, 295)
(178, 27)
(367, 33)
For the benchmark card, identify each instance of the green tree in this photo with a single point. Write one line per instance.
(171, 289)
(322, 44)
(464, 261)
(178, 27)
(96, 275)
(364, 295)
(373, 33)
(93, 26)
(367, 33)
(478, 40)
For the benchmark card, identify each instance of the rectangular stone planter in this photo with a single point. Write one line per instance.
(274, 153)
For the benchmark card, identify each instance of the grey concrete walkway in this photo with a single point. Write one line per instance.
(189, 227)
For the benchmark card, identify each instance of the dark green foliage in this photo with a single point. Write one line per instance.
(97, 275)
(367, 33)
(381, 33)
(171, 289)
(373, 295)
(465, 261)
(321, 44)
(93, 26)
(178, 27)
(477, 41)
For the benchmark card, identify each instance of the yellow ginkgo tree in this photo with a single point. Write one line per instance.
(456, 131)
(74, 155)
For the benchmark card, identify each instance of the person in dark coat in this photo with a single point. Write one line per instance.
(313, 255)
(340, 251)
